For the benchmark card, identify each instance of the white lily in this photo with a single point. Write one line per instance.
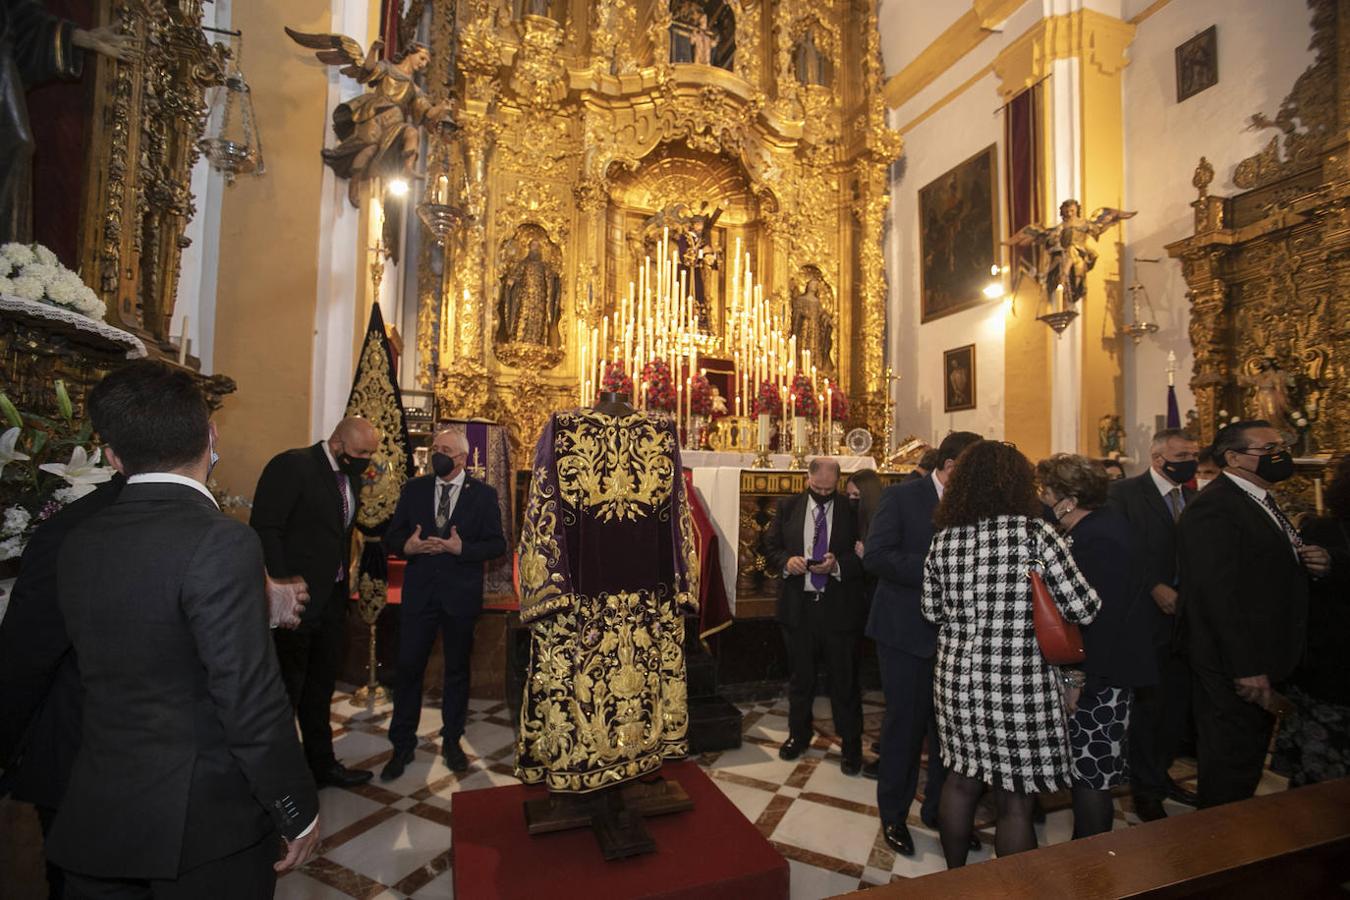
(83, 470)
(7, 452)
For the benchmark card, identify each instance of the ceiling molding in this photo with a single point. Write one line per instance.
(961, 37)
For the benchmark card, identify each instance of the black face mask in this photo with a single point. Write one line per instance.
(352, 466)
(855, 503)
(1180, 472)
(442, 465)
(820, 498)
(1275, 467)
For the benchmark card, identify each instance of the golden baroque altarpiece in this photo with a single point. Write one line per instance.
(1269, 269)
(574, 128)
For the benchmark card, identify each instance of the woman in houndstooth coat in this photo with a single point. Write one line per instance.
(1000, 708)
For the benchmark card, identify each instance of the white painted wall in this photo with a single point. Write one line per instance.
(1262, 50)
(907, 27)
(955, 133)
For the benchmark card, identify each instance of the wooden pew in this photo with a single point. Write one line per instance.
(1288, 846)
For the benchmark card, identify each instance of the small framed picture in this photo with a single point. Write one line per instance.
(958, 379)
(1198, 64)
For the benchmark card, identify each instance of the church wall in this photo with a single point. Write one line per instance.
(1262, 49)
(952, 134)
(265, 301)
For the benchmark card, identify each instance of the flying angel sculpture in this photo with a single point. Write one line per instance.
(1066, 244)
(379, 131)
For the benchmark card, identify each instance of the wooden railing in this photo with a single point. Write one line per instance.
(1294, 844)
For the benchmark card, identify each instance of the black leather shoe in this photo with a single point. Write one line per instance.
(851, 765)
(876, 747)
(397, 763)
(1180, 794)
(975, 843)
(1149, 809)
(338, 775)
(455, 758)
(898, 838)
(793, 748)
(872, 770)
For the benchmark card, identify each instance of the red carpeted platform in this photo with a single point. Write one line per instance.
(710, 853)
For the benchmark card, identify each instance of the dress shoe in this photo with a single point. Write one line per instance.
(1180, 794)
(898, 838)
(397, 763)
(1149, 809)
(872, 770)
(455, 758)
(338, 775)
(851, 764)
(793, 748)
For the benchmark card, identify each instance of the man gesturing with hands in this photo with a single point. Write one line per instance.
(447, 526)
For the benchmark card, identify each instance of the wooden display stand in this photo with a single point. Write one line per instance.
(615, 814)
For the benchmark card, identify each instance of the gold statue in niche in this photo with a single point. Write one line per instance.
(702, 33)
(529, 300)
(813, 318)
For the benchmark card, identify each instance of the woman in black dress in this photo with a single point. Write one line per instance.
(1117, 642)
(1313, 743)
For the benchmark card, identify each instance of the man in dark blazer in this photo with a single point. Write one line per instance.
(303, 510)
(906, 643)
(447, 525)
(810, 543)
(1159, 714)
(188, 769)
(1243, 604)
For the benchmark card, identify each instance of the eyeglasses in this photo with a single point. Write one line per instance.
(1265, 449)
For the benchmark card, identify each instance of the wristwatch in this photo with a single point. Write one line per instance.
(1073, 678)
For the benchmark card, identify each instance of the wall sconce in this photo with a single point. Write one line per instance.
(230, 140)
(1143, 321)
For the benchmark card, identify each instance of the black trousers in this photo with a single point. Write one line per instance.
(246, 875)
(1159, 719)
(1233, 738)
(417, 627)
(310, 661)
(907, 682)
(56, 878)
(818, 636)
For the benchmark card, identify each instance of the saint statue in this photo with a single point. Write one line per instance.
(701, 39)
(607, 562)
(813, 321)
(698, 260)
(1066, 244)
(1110, 437)
(35, 47)
(811, 63)
(1272, 384)
(380, 130)
(529, 303)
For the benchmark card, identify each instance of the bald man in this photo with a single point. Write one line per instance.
(447, 525)
(303, 510)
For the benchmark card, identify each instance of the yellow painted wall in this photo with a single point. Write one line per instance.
(269, 247)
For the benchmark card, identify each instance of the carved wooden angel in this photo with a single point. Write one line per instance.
(1066, 245)
(379, 130)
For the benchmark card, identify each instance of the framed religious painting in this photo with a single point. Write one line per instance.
(1198, 64)
(958, 236)
(958, 379)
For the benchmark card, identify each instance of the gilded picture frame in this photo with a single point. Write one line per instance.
(958, 379)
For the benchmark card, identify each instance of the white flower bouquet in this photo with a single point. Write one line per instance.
(32, 272)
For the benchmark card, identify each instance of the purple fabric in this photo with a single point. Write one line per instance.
(342, 495)
(820, 545)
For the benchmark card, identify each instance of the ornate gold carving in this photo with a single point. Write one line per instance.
(614, 468)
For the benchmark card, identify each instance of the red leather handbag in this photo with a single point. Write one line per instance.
(1061, 642)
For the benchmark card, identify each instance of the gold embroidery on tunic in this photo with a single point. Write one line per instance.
(539, 550)
(613, 467)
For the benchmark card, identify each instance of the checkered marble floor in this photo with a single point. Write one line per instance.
(394, 840)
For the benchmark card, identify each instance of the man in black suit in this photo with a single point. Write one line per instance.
(447, 525)
(1244, 606)
(907, 643)
(189, 767)
(303, 510)
(1152, 503)
(810, 542)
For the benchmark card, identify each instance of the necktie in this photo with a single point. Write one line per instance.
(1288, 526)
(342, 494)
(1174, 502)
(443, 506)
(820, 545)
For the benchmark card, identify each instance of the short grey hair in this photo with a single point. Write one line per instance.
(1162, 437)
(456, 437)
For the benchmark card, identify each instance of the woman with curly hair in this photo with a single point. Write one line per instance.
(1313, 743)
(1000, 708)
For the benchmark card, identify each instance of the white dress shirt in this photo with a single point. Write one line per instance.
(1166, 487)
(344, 481)
(1258, 493)
(455, 486)
(172, 478)
(809, 539)
(937, 483)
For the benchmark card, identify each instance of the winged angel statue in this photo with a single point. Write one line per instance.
(1070, 257)
(378, 131)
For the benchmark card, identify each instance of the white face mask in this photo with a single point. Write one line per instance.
(1201, 482)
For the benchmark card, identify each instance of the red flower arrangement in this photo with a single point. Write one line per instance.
(768, 400)
(660, 386)
(617, 380)
(839, 405)
(700, 396)
(803, 398)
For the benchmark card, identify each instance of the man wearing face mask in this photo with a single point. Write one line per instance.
(303, 510)
(1244, 605)
(1206, 469)
(1152, 503)
(447, 525)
